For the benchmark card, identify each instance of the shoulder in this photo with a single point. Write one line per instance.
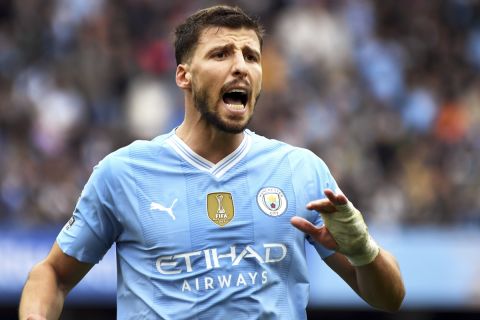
(303, 163)
(139, 151)
(278, 148)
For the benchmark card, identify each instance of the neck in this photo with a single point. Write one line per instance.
(207, 141)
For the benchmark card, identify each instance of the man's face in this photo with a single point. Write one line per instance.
(226, 77)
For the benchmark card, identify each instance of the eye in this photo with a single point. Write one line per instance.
(219, 55)
(251, 57)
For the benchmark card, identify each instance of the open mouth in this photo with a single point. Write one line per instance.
(236, 98)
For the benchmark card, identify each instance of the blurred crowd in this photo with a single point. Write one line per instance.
(386, 92)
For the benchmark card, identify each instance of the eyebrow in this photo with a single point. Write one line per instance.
(229, 47)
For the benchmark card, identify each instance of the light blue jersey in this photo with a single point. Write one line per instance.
(197, 240)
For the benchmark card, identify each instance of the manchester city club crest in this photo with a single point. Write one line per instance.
(220, 207)
(272, 201)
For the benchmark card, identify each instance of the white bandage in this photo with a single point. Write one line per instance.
(351, 234)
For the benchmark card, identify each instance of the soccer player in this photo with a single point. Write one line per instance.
(210, 219)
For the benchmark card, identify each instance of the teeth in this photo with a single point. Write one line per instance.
(238, 90)
(237, 107)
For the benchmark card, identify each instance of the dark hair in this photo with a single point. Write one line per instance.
(188, 33)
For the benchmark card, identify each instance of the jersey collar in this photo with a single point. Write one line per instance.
(218, 169)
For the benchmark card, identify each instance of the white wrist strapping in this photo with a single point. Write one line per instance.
(351, 234)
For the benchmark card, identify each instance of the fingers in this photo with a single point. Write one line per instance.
(319, 234)
(328, 204)
(322, 205)
(303, 225)
(336, 199)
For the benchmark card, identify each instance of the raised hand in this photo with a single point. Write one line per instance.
(344, 230)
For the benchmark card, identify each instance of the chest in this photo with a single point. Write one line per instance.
(189, 210)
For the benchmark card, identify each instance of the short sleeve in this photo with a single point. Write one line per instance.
(93, 228)
(323, 180)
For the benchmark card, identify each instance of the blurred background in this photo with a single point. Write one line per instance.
(386, 92)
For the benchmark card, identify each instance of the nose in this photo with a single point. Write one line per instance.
(239, 67)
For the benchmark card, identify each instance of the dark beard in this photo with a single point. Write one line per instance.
(200, 100)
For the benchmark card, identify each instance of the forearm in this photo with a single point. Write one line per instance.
(380, 282)
(370, 271)
(42, 297)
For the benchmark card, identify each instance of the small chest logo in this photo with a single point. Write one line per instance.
(220, 207)
(160, 207)
(272, 201)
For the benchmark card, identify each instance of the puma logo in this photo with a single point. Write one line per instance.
(159, 207)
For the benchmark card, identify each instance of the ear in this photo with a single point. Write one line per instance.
(183, 77)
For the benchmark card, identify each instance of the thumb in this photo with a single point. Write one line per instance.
(303, 225)
(319, 234)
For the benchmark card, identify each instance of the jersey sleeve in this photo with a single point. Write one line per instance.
(93, 228)
(322, 179)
